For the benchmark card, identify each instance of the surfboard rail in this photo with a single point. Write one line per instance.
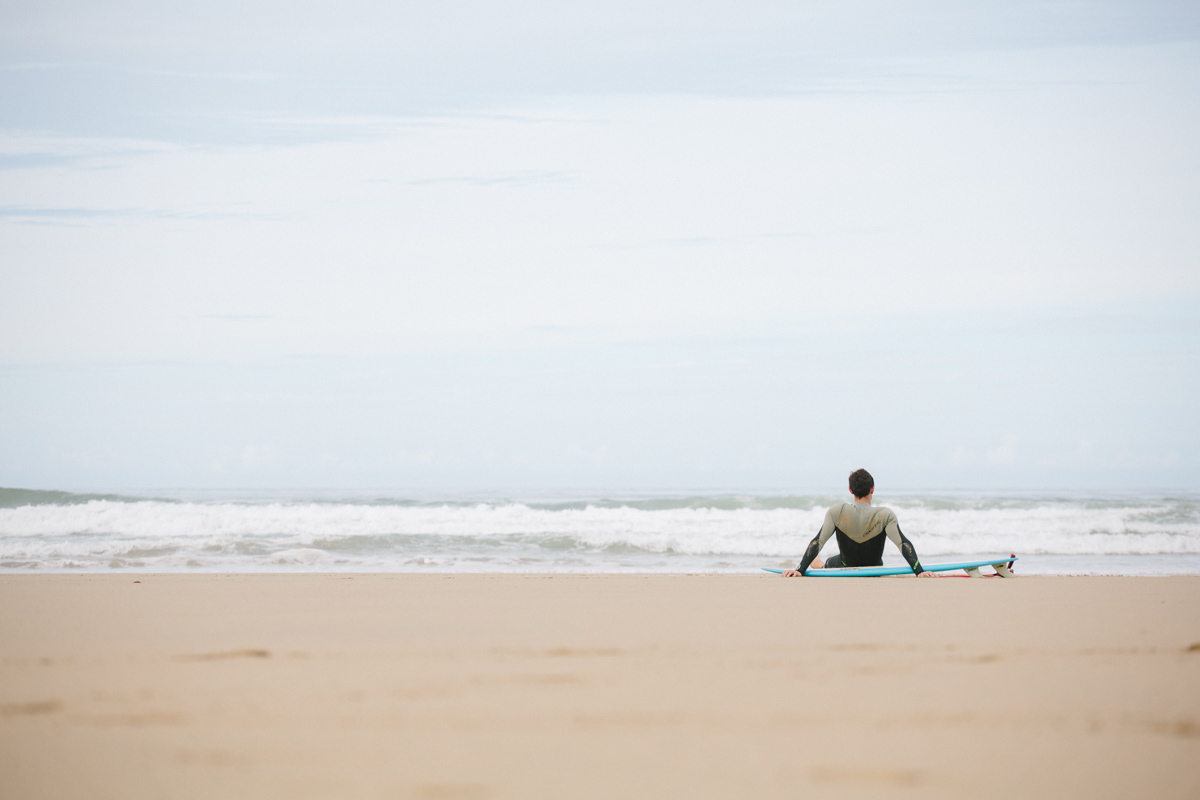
(1001, 564)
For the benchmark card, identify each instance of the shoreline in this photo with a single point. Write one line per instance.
(520, 685)
(309, 530)
(1027, 567)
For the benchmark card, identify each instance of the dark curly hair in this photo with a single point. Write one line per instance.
(861, 483)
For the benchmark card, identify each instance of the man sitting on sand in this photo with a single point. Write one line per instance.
(858, 526)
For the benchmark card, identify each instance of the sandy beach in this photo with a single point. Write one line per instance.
(596, 686)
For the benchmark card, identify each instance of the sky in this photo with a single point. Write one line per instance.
(606, 245)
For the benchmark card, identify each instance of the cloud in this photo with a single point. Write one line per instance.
(39, 151)
(10, 161)
(406, 458)
(739, 240)
(595, 457)
(960, 457)
(519, 179)
(1006, 453)
(42, 215)
(225, 70)
(246, 457)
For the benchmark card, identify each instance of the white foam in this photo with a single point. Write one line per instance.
(515, 535)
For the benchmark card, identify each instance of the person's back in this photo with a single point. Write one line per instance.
(861, 531)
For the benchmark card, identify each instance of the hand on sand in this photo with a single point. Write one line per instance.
(795, 573)
(928, 575)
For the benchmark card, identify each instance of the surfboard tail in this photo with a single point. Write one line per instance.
(1004, 570)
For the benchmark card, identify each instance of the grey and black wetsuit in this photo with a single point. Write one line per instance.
(858, 526)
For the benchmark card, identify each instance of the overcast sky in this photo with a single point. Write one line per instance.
(750, 245)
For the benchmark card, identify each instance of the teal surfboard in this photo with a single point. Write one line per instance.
(1000, 564)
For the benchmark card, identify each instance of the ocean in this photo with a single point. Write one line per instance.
(564, 531)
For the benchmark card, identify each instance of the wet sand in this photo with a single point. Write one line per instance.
(513, 686)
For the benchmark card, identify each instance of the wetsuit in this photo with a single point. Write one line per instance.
(860, 529)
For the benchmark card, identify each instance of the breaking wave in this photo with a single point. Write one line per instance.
(723, 532)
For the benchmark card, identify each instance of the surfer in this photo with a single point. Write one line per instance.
(861, 529)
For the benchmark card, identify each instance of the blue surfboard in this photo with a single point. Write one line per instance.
(1000, 564)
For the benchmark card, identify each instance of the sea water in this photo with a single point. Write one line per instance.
(561, 531)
